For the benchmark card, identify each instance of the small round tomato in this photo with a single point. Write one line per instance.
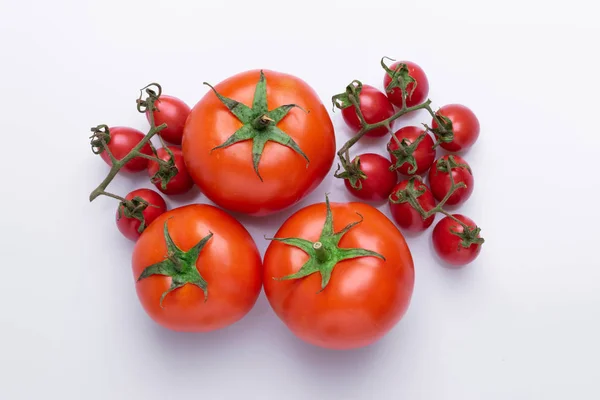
(173, 112)
(197, 269)
(258, 143)
(408, 158)
(455, 245)
(421, 91)
(439, 179)
(339, 275)
(146, 206)
(377, 179)
(179, 183)
(405, 215)
(374, 106)
(465, 127)
(121, 141)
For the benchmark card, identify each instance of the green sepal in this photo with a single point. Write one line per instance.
(410, 194)
(134, 208)
(469, 236)
(449, 164)
(404, 153)
(400, 78)
(352, 173)
(344, 100)
(444, 133)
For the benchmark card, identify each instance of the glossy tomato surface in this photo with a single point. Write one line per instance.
(421, 91)
(379, 182)
(448, 246)
(122, 140)
(374, 106)
(227, 175)
(365, 296)
(229, 262)
(173, 112)
(465, 127)
(406, 216)
(129, 226)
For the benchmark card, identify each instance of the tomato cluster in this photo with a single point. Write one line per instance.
(340, 275)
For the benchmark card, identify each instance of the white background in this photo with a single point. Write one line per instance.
(522, 322)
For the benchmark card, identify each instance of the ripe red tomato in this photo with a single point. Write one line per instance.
(450, 247)
(181, 182)
(333, 289)
(130, 222)
(122, 140)
(263, 159)
(197, 269)
(173, 112)
(405, 215)
(465, 126)
(421, 91)
(411, 160)
(379, 180)
(375, 107)
(439, 179)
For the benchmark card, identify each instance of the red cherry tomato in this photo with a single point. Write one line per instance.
(448, 245)
(126, 219)
(422, 156)
(173, 112)
(439, 179)
(180, 183)
(375, 107)
(407, 218)
(465, 126)
(420, 92)
(122, 140)
(380, 180)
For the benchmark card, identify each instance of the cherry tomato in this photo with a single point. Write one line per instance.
(465, 126)
(180, 183)
(414, 161)
(122, 140)
(449, 246)
(197, 269)
(405, 215)
(333, 303)
(173, 112)
(439, 179)
(232, 161)
(130, 220)
(421, 91)
(379, 180)
(375, 107)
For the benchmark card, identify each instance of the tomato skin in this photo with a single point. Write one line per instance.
(380, 180)
(407, 218)
(375, 107)
(424, 154)
(448, 246)
(180, 183)
(421, 91)
(227, 176)
(122, 140)
(440, 182)
(156, 207)
(365, 297)
(173, 112)
(465, 126)
(230, 263)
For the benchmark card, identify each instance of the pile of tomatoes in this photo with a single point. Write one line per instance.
(339, 275)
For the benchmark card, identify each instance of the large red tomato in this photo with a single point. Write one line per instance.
(339, 275)
(197, 269)
(259, 143)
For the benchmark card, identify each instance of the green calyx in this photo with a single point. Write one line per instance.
(349, 98)
(410, 195)
(469, 236)
(134, 208)
(450, 164)
(259, 124)
(404, 153)
(443, 132)
(400, 78)
(325, 253)
(179, 265)
(352, 173)
(167, 170)
(100, 138)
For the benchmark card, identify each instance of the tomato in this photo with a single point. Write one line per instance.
(454, 249)
(421, 91)
(410, 159)
(465, 127)
(173, 112)
(439, 179)
(378, 180)
(259, 154)
(374, 106)
(405, 215)
(122, 140)
(131, 222)
(178, 184)
(339, 290)
(197, 269)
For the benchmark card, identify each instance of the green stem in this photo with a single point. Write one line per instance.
(322, 254)
(262, 122)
